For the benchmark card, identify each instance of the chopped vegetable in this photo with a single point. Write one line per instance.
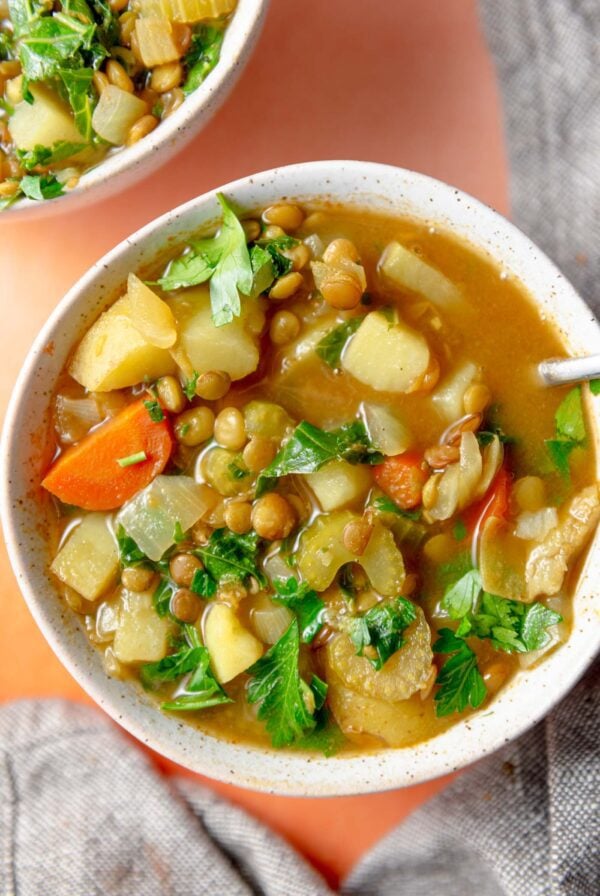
(231, 646)
(151, 317)
(88, 562)
(117, 111)
(309, 448)
(149, 517)
(88, 475)
(406, 270)
(389, 357)
(279, 690)
(339, 483)
(570, 432)
(331, 346)
(387, 431)
(141, 636)
(460, 683)
(382, 627)
(305, 603)
(402, 478)
(231, 556)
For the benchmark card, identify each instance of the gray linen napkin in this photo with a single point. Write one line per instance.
(82, 812)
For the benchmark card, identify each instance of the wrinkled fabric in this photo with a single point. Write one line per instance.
(82, 810)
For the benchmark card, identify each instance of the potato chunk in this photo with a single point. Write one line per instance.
(406, 270)
(232, 347)
(114, 355)
(339, 483)
(389, 357)
(232, 648)
(142, 636)
(89, 560)
(46, 121)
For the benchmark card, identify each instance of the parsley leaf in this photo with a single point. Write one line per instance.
(595, 387)
(189, 387)
(237, 469)
(460, 683)
(47, 155)
(309, 448)
(224, 259)
(569, 424)
(155, 410)
(386, 505)
(281, 264)
(203, 584)
(331, 346)
(231, 556)
(461, 596)
(326, 738)
(129, 553)
(382, 627)
(202, 56)
(304, 602)
(201, 689)
(279, 690)
(41, 186)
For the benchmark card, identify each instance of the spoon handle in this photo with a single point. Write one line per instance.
(562, 371)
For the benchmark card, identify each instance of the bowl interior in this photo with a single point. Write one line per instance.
(125, 166)
(380, 188)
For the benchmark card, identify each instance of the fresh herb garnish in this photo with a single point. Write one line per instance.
(40, 186)
(331, 346)
(304, 602)
(275, 684)
(231, 556)
(189, 387)
(178, 533)
(203, 584)
(459, 530)
(382, 627)
(238, 470)
(386, 505)
(511, 625)
(569, 424)
(460, 683)
(202, 56)
(280, 263)
(132, 459)
(201, 690)
(595, 387)
(155, 410)
(129, 553)
(309, 448)
(47, 155)
(325, 738)
(224, 260)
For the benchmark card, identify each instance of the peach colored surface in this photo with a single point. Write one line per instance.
(409, 83)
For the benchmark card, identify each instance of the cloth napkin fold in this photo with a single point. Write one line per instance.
(84, 813)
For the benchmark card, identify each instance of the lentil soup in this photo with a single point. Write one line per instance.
(309, 492)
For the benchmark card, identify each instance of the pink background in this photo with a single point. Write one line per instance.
(410, 83)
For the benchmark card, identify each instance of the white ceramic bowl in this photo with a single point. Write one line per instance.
(522, 702)
(125, 166)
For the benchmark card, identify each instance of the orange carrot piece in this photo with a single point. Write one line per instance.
(402, 478)
(88, 475)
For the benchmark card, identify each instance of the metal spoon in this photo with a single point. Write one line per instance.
(562, 371)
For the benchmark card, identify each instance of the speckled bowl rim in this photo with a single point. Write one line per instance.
(125, 167)
(523, 701)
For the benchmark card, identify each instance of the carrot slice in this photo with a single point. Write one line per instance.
(402, 478)
(88, 475)
(494, 502)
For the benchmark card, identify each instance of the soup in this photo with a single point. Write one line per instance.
(309, 492)
(79, 80)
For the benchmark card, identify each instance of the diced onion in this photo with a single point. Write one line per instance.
(270, 620)
(151, 516)
(75, 417)
(116, 112)
(315, 244)
(492, 460)
(535, 525)
(388, 433)
(151, 317)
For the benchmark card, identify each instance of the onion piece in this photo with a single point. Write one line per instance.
(269, 621)
(493, 454)
(156, 42)
(470, 465)
(151, 516)
(151, 317)
(75, 417)
(116, 112)
(536, 524)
